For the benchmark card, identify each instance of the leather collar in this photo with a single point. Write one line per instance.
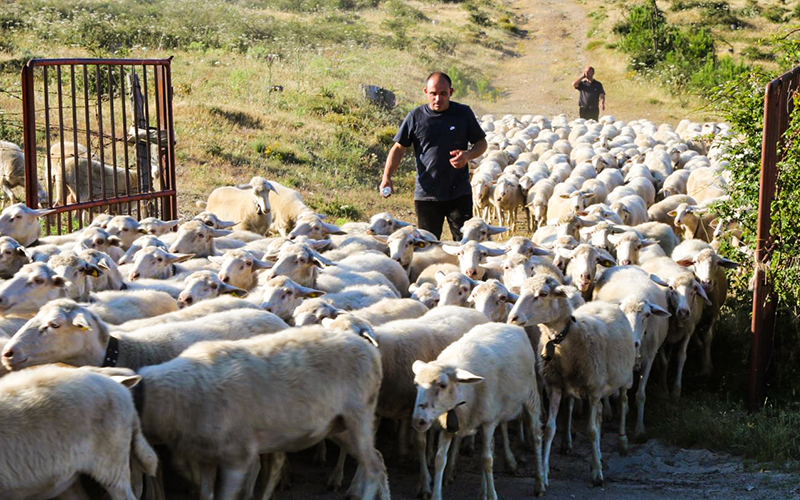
(452, 425)
(173, 270)
(138, 396)
(550, 347)
(112, 352)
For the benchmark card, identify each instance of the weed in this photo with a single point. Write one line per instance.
(593, 44)
(336, 208)
(775, 14)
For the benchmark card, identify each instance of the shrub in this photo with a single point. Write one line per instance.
(775, 14)
(719, 13)
(756, 54)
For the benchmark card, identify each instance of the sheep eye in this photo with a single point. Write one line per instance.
(214, 286)
(101, 242)
(442, 385)
(543, 294)
(39, 281)
(124, 229)
(54, 325)
(160, 259)
(248, 263)
(208, 223)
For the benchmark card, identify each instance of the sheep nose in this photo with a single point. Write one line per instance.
(625, 262)
(8, 354)
(637, 344)
(586, 277)
(225, 278)
(472, 272)
(683, 313)
(185, 301)
(133, 276)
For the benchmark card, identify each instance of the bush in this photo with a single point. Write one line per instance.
(775, 14)
(755, 54)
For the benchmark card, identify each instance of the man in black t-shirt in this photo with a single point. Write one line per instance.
(593, 97)
(441, 132)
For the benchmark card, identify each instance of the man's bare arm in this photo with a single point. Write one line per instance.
(393, 160)
(460, 158)
(602, 102)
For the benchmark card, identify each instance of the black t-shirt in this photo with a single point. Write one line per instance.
(434, 135)
(590, 94)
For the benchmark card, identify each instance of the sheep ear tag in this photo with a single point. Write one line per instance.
(452, 419)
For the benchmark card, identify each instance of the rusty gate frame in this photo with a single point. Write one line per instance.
(164, 127)
(778, 106)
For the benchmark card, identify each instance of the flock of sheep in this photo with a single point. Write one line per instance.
(231, 349)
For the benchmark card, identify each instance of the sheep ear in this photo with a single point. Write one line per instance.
(262, 264)
(729, 264)
(400, 223)
(613, 239)
(216, 259)
(320, 261)
(589, 195)
(413, 287)
(647, 243)
(309, 292)
(702, 293)
(419, 244)
(451, 249)
(586, 222)
(81, 321)
(566, 196)
(114, 241)
(41, 212)
(61, 282)
(440, 276)
(332, 229)
(496, 265)
(465, 377)
(659, 311)
(232, 290)
(128, 381)
(142, 230)
(672, 213)
(540, 252)
(318, 244)
(657, 280)
(497, 229)
(685, 263)
(560, 291)
(92, 270)
(714, 223)
(380, 237)
(224, 224)
(175, 258)
(243, 186)
(512, 297)
(418, 366)
(496, 252)
(216, 233)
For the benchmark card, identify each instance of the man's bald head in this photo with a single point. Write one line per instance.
(589, 72)
(438, 89)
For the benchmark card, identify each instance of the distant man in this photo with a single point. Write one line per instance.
(441, 132)
(593, 98)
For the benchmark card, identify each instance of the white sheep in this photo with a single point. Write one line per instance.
(196, 311)
(454, 288)
(157, 227)
(155, 262)
(12, 257)
(492, 371)
(676, 183)
(12, 172)
(313, 311)
(507, 198)
(476, 229)
(385, 223)
(426, 293)
(582, 267)
(705, 183)
(631, 209)
(472, 256)
(20, 222)
(493, 300)
(57, 423)
(196, 238)
(204, 285)
(659, 212)
(99, 239)
(287, 207)
(693, 222)
(248, 205)
(138, 244)
(587, 352)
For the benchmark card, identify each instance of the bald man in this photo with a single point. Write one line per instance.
(592, 99)
(441, 132)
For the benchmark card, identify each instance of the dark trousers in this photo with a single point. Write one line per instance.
(590, 113)
(431, 215)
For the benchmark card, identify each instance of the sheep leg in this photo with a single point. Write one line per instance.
(488, 460)
(359, 441)
(337, 476)
(423, 489)
(566, 443)
(662, 355)
(402, 437)
(74, 492)
(707, 337)
(521, 431)
(208, 476)
(511, 462)
(450, 470)
(595, 416)
(8, 192)
(229, 481)
(608, 411)
(469, 445)
(429, 450)
(676, 392)
(641, 397)
(623, 413)
(554, 395)
(445, 442)
(320, 453)
(271, 468)
(530, 414)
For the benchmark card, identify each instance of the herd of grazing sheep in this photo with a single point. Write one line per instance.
(231, 349)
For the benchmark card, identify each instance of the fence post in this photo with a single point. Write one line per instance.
(29, 137)
(140, 123)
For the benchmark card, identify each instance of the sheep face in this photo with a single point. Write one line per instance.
(12, 257)
(684, 294)
(281, 296)
(584, 260)
(125, 228)
(204, 285)
(101, 221)
(638, 313)
(313, 311)
(628, 246)
(438, 391)
(540, 301)
(76, 271)
(384, 224)
(33, 286)
(138, 244)
(493, 300)
(476, 229)
(427, 293)
(62, 331)
(240, 268)
(211, 220)
(571, 224)
(315, 229)
(19, 222)
(706, 265)
(260, 192)
(402, 244)
(196, 238)
(97, 239)
(539, 207)
(470, 257)
(454, 288)
(520, 245)
(156, 227)
(299, 263)
(109, 278)
(155, 262)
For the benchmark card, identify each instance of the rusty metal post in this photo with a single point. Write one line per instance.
(29, 137)
(778, 105)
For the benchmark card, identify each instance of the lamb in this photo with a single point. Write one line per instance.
(113, 178)
(313, 311)
(631, 209)
(138, 244)
(281, 296)
(405, 247)
(582, 267)
(312, 226)
(628, 245)
(507, 197)
(518, 268)
(659, 212)
(401, 344)
(76, 271)
(482, 194)
(384, 223)
(156, 227)
(211, 220)
(645, 307)
(493, 300)
(587, 352)
(240, 268)
(492, 369)
(710, 271)
(660, 233)
(454, 288)
(337, 374)
(12, 257)
(247, 204)
(687, 299)
(126, 228)
(476, 229)
(425, 293)
(19, 222)
(94, 431)
(644, 188)
(98, 239)
(155, 262)
(537, 202)
(84, 339)
(675, 183)
(196, 238)
(116, 307)
(204, 285)
(34, 285)
(189, 313)
(472, 256)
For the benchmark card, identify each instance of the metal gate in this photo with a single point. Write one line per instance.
(778, 106)
(103, 129)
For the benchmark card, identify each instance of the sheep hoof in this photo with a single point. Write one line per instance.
(598, 482)
(448, 480)
(623, 445)
(511, 468)
(424, 494)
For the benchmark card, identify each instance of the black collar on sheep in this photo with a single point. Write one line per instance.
(452, 419)
(550, 347)
(112, 352)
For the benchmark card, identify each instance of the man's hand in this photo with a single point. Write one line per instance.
(384, 184)
(458, 158)
(602, 106)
